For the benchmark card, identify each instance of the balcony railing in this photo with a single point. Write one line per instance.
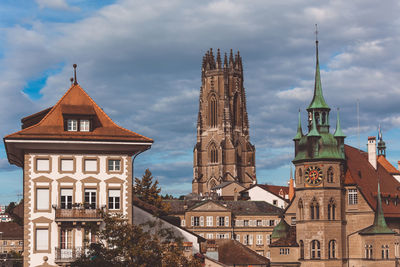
(78, 214)
(68, 254)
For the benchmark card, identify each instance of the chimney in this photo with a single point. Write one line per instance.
(372, 150)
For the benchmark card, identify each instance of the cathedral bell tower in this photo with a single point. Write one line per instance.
(319, 161)
(223, 151)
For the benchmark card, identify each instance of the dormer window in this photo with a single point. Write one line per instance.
(72, 125)
(85, 126)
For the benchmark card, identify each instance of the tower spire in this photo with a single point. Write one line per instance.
(381, 143)
(314, 132)
(291, 185)
(338, 131)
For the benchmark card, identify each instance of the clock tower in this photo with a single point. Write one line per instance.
(319, 161)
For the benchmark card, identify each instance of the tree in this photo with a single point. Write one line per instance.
(148, 191)
(124, 244)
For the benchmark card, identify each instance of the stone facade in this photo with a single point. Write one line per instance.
(223, 151)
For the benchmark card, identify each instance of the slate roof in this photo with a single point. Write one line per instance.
(74, 102)
(362, 174)
(233, 253)
(11, 230)
(237, 207)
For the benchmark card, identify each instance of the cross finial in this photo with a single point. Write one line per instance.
(75, 81)
(316, 33)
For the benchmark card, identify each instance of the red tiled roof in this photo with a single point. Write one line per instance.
(366, 178)
(387, 165)
(275, 189)
(11, 230)
(76, 101)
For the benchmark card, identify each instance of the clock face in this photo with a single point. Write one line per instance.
(313, 175)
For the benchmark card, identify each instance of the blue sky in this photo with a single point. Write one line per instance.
(140, 61)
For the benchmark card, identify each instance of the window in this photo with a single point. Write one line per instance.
(314, 210)
(271, 222)
(275, 202)
(220, 221)
(20, 243)
(248, 239)
(237, 237)
(42, 199)
(301, 210)
(42, 239)
(332, 249)
(183, 222)
(84, 126)
(246, 222)
(331, 210)
(213, 154)
(90, 165)
(90, 198)
(42, 165)
(330, 175)
(195, 220)
(259, 240)
(65, 239)
(210, 236)
(72, 125)
(209, 221)
(368, 251)
(283, 251)
(301, 249)
(114, 199)
(227, 221)
(213, 111)
(259, 223)
(300, 176)
(269, 239)
(385, 252)
(315, 249)
(114, 165)
(222, 236)
(352, 194)
(67, 165)
(66, 198)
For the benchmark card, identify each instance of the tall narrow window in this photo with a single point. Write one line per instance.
(114, 196)
(330, 175)
(66, 198)
(84, 125)
(332, 249)
(368, 251)
(314, 210)
(42, 239)
(72, 125)
(213, 111)
(352, 195)
(315, 249)
(385, 252)
(42, 199)
(301, 210)
(90, 198)
(301, 249)
(213, 154)
(331, 210)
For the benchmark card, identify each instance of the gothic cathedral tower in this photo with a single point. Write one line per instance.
(223, 151)
(320, 160)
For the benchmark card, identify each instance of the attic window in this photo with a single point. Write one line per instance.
(81, 125)
(72, 125)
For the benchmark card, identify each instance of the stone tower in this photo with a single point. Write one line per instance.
(223, 151)
(320, 160)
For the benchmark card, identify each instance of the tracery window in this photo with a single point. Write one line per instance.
(314, 210)
(332, 210)
(213, 108)
(315, 249)
(332, 249)
(213, 154)
(301, 210)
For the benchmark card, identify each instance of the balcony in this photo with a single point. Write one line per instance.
(66, 255)
(78, 214)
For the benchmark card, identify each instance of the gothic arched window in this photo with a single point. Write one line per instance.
(236, 110)
(332, 210)
(301, 210)
(300, 174)
(213, 110)
(314, 210)
(332, 249)
(301, 249)
(213, 154)
(315, 249)
(330, 175)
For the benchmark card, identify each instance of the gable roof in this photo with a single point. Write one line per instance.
(76, 102)
(387, 165)
(226, 183)
(274, 189)
(365, 177)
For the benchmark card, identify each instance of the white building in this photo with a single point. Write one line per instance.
(273, 194)
(76, 162)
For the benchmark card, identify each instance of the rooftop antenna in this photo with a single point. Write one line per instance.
(75, 81)
(358, 123)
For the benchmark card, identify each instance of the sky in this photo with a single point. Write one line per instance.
(141, 62)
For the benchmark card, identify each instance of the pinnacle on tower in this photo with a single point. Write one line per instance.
(314, 132)
(338, 131)
(225, 61)
(218, 59)
(299, 133)
(231, 61)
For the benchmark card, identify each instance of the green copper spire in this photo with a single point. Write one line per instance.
(318, 100)
(314, 131)
(281, 230)
(299, 133)
(379, 226)
(338, 132)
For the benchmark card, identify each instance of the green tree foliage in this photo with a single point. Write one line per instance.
(124, 244)
(148, 191)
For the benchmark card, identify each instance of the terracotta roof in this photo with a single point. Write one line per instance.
(387, 165)
(236, 207)
(232, 252)
(76, 101)
(289, 241)
(11, 230)
(365, 177)
(274, 189)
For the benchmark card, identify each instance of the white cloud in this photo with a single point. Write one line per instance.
(56, 4)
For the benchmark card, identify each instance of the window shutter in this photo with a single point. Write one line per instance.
(42, 164)
(43, 199)
(192, 221)
(217, 221)
(227, 221)
(201, 220)
(251, 240)
(42, 239)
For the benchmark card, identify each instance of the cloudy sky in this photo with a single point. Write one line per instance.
(140, 61)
